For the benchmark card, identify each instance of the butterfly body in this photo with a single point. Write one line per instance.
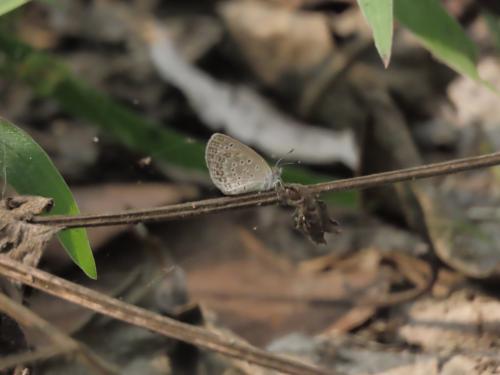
(236, 168)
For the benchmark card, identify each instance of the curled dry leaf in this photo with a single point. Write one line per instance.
(311, 214)
(19, 239)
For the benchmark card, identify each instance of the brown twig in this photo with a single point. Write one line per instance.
(62, 342)
(143, 318)
(203, 207)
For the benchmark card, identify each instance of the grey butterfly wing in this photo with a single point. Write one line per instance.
(235, 168)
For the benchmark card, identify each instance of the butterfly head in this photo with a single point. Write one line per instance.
(277, 170)
(276, 175)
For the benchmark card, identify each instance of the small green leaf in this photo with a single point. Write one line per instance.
(440, 33)
(28, 169)
(379, 14)
(8, 5)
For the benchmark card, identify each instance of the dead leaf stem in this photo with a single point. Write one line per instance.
(208, 206)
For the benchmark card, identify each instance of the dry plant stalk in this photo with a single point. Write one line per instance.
(208, 206)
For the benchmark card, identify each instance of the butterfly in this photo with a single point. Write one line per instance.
(236, 168)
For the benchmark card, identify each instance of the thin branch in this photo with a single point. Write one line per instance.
(208, 206)
(146, 319)
(63, 343)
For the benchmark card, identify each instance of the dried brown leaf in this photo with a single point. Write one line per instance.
(19, 239)
(311, 214)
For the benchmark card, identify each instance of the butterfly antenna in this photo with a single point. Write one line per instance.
(278, 163)
(291, 163)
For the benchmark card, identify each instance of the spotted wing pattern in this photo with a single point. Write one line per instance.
(235, 168)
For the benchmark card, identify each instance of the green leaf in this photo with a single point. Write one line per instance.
(440, 33)
(28, 169)
(8, 5)
(379, 15)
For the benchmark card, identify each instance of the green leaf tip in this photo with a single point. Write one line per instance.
(379, 15)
